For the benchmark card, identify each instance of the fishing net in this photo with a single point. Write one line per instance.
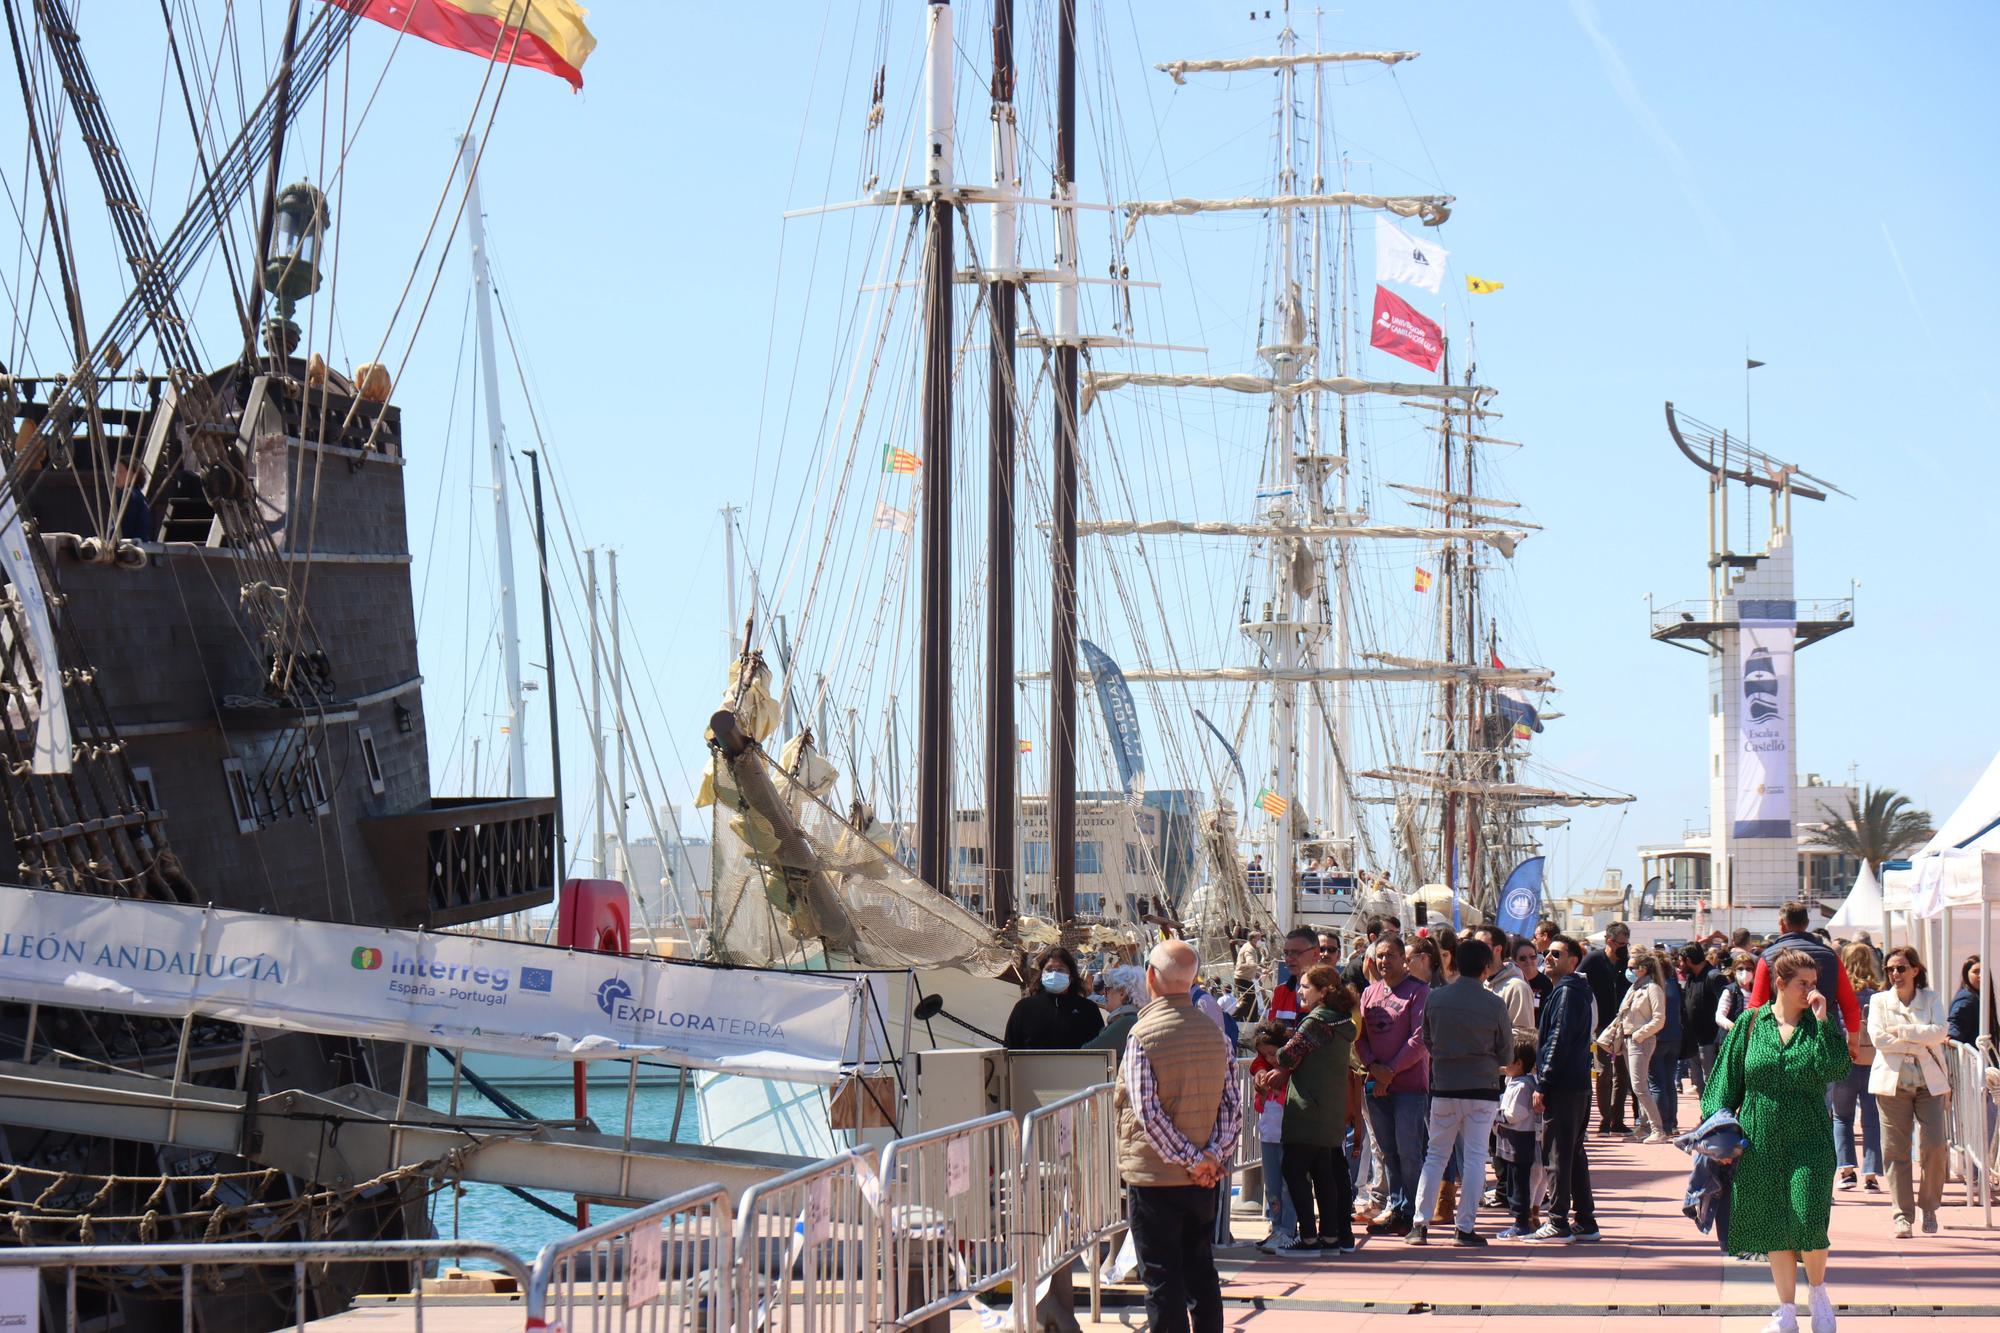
(792, 876)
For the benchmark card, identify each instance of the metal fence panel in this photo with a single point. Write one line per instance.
(665, 1268)
(302, 1257)
(947, 1199)
(1070, 1198)
(809, 1250)
(1972, 1129)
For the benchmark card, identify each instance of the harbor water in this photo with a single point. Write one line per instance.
(490, 1213)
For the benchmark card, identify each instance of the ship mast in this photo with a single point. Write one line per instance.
(1002, 758)
(1063, 543)
(496, 447)
(934, 708)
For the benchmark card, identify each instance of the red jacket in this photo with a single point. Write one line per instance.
(1763, 992)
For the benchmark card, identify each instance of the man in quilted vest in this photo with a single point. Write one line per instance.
(1179, 1112)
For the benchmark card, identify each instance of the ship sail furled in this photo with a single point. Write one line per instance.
(790, 872)
(1178, 70)
(1429, 209)
(1097, 382)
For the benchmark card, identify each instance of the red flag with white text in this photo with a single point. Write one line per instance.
(1400, 331)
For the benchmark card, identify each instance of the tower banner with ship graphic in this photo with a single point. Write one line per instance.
(460, 992)
(1764, 731)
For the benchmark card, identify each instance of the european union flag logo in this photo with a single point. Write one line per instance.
(537, 978)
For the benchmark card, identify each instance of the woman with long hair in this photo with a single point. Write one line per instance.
(1635, 1031)
(1962, 1022)
(1315, 1061)
(1850, 1097)
(1910, 1082)
(1054, 1013)
(1773, 1073)
(1426, 961)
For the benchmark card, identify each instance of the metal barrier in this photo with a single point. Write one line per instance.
(303, 1257)
(947, 1216)
(1971, 1129)
(809, 1249)
(1070, 1198)
(668, 1268)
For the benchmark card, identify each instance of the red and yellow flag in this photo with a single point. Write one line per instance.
(541, 34)
(1027, 747)
(900, 460)
(1423, 579)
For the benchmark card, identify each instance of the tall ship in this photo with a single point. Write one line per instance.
(1093, 629)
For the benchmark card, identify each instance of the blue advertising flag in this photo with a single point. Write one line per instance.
(1121, 716)
(1521, 897)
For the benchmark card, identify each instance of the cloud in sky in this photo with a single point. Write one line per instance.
(1627, 88)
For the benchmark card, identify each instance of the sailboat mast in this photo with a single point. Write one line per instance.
(549, 651)
(1063, 635)
(934, 745)
(596, 718)
(1283, 632)
(496, 445)
(623, 863)
(1002, 757)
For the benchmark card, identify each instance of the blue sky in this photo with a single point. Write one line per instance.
(1657, 186)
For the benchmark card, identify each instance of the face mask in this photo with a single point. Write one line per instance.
(1745, 977)
(1055, 983)
(1631, 975)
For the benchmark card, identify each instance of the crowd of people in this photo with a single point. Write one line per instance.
(1388, 1073)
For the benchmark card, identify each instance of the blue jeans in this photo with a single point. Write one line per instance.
(1662, 1080)
(1842, 1099)
(1457, 1123)
(1399, 1122)
(1278, 1199)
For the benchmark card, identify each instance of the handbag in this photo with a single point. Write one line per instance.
(1612, 1040)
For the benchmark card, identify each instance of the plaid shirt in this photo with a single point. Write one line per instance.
(1159, 1127)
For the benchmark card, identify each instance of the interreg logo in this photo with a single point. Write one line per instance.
(611, 994)
(367, 960)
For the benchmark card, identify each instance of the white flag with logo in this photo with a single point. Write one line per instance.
(888, 517)
(1401, 257)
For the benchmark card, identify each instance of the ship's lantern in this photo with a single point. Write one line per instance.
(291, 265)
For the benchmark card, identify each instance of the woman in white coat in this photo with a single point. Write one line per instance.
(1635, 1031)
(1910, 1083)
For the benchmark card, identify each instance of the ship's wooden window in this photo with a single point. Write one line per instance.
(315, 781)
(370, 760)
(239, 796)
(144, 790)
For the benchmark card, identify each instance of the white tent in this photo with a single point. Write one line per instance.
(1863, 908)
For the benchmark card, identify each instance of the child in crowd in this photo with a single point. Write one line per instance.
(1517, 1131)
(1268, 1039)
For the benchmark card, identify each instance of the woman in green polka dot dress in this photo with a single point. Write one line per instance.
(1773, 1073)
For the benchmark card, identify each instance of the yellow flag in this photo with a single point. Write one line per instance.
(1480, 286)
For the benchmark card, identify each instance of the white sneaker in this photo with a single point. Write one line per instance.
(1784, 1319)
(1655, 1137)
(1822, 1311)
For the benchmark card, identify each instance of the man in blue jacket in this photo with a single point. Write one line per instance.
(1567, 1025)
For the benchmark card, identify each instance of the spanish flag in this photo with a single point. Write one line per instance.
(900, 460)
(1423, 579)
(542, 34)
(1026, 747)
(1481, 286)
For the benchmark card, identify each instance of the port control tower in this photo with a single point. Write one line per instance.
(1751, 627)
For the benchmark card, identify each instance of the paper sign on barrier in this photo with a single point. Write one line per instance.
(957, 1167)
(1065, 1131)
(642, 1265)
(20, 1300)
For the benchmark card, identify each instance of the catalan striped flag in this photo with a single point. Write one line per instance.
(900, 460)
(1271, 803)
(1423, 579)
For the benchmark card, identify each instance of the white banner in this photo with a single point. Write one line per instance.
(1764, 731)
(453, 991)
(1401, 257)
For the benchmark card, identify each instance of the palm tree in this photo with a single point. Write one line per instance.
(1879, 827)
